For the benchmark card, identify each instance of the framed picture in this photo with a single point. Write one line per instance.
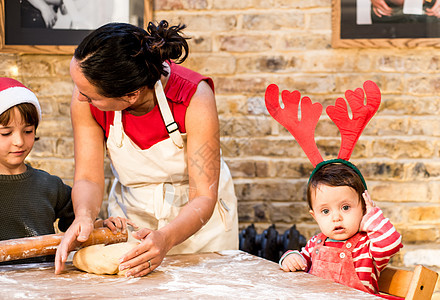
(57, 26)
(392, 23)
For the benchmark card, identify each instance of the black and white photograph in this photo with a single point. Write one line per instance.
(387, 19)
(63, 22)
(72, 14)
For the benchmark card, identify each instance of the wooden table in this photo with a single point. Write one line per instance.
(219, 275)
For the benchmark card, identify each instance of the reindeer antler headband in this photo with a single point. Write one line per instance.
(304, 130)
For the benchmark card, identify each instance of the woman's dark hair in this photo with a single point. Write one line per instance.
(28, 113)
(336, 174)
(120, 58)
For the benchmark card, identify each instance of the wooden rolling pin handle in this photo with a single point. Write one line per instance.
(104, 235)
(47, 244)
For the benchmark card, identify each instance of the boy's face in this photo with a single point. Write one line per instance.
(16, 141)
(337, 210)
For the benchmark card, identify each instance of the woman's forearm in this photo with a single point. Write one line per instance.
(193, 216)
(87, 199)
(38, 4)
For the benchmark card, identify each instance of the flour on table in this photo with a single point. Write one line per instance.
(102, 259)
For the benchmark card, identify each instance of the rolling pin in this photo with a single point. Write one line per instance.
(47, 244)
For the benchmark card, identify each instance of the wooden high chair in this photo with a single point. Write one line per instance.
(411, 285)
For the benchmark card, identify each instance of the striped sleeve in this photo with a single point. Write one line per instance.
(305, 252)
(373, 252)
(384, 239)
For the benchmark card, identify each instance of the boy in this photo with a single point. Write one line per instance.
(31, 199)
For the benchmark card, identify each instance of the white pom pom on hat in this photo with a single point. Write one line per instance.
(13, 92)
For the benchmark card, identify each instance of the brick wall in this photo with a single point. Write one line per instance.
(247, 45)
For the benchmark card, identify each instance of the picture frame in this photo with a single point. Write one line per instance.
(18, 37)
(354, 25)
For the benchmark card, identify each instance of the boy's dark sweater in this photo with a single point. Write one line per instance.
(30, 204)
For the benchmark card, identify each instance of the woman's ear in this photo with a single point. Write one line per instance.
(132, 97)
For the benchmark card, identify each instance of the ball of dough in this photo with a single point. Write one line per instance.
(102, 259)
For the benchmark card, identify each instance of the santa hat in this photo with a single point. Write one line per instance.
(13, 92)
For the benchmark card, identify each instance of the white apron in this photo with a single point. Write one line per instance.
(151, 186)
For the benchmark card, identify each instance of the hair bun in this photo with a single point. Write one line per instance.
(166, 41)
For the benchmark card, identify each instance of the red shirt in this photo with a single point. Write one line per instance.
(149, 129)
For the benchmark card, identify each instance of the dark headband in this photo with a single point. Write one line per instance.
(338, 160)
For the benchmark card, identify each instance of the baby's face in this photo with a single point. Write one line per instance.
(337, 210)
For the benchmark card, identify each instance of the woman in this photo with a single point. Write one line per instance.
(163, 144)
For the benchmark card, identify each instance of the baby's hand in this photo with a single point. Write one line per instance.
(369, 204)
(118, 224)
(294, 262)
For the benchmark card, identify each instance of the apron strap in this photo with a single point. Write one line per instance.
(171, 125)
(117, 124)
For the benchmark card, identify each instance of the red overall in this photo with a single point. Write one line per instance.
(336, 264)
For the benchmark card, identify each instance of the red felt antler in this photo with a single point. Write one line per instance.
(303, 131)
(351, 129)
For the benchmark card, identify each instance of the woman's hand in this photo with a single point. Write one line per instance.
(147, 256)
(78, 232)
(381, 8)
(47, 13)
(49, 16)
(434, 10)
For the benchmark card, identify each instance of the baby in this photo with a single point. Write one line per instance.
(356, 241)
